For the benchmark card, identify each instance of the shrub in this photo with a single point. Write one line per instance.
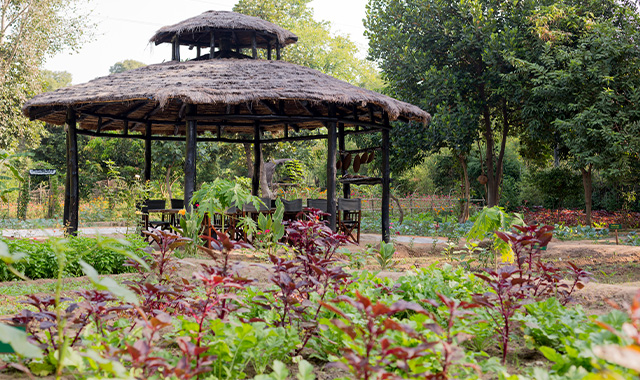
(104, 254)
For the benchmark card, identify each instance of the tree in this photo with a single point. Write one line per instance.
(317, 47)
(53, 80)
(585, 82)
(127, 64)
(460, 47)
(31, 31)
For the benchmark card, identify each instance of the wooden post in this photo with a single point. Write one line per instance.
(346, 188)
(147, 152)
(212, 45)
(386, 235)
(255, 179)
(72, 193)
(268, 49)
(175, 49)
(278, 55)
(190, 159)
(331, 168)
(254, 46)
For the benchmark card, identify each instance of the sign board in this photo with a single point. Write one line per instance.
(42, 171)
(615, 226)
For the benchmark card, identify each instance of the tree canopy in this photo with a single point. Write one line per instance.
(127, 64)
(31, 31)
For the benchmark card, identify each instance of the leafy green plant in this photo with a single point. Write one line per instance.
(5, 163)
(490, 220)
(270, 229)
(384, 255)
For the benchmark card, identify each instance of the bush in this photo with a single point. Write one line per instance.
(104, 254)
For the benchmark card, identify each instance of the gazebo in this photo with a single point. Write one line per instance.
(228, 92)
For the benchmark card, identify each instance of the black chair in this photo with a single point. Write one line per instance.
(177, 203)
(350, 217)
(320, 204)
(249, 208)
(157, 204)
(291, 208)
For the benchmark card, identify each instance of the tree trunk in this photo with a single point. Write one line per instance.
(400, 211)
(488, 135)
(249, 157)
(588, 191)
(464, 208)
(264, 184)
(167, 182)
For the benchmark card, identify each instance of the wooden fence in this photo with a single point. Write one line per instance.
(417, 205)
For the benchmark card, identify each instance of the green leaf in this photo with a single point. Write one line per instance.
(305, 371)
(108, 284)
(17, 339)
(280, 371)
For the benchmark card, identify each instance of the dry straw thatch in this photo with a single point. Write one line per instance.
(195, 30)
(157, 93)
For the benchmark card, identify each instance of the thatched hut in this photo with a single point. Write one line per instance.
(237, 100)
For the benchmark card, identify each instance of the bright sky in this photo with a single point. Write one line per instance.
(125, 26)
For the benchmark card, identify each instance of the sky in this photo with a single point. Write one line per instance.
(125, 26)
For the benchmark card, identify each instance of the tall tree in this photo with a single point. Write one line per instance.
(31, 31)
(461, 47)
(585, 84)
(127, 64)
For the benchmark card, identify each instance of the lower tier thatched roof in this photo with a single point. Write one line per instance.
(229, 93)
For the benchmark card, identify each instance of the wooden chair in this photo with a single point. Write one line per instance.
(215, 221)
(349, 217)
(291, 208)
(320, 204)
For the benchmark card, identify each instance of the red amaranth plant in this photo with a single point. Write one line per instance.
(373, 353)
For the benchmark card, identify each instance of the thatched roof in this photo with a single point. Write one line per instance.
(227, 92)
(196, 30)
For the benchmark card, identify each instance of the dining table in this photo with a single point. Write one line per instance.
(166, 213)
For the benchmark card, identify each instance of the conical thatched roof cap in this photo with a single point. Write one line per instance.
(157, 94)
(196, 30)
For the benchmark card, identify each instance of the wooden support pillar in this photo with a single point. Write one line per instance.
(72, 193)
(212, 45)
(254, 46)
(255, 179)
(175, 49)
(278, 50)
(331, 168)
(190, 158)
(346, 188)
(386, 235)
(147, 152)
(268, 49)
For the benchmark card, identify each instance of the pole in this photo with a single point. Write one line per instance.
(385, 181)
(346, 188)
(72, 193)
(255, 179)
(190, 159)
(331, 168)
(147, 153)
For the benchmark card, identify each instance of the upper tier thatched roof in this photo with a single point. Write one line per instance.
(195, 30)
(158, 94)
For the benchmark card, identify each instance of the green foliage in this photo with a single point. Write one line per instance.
(13, 174)
(54, 80)
(29, 34)
(317, 47)
(106, 255)
(490, 220)
(557, 185)
(269, 229)
(127, 64)
(384, 255)
(294, 171)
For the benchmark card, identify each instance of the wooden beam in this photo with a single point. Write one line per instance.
(190, 157)
(255, 179)
(357, 151)
(268, 48)
(386, 180)
(72, 191)
(331, 169)
(120, 116)
(278, 50)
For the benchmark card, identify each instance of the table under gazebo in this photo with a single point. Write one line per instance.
(223, 96)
